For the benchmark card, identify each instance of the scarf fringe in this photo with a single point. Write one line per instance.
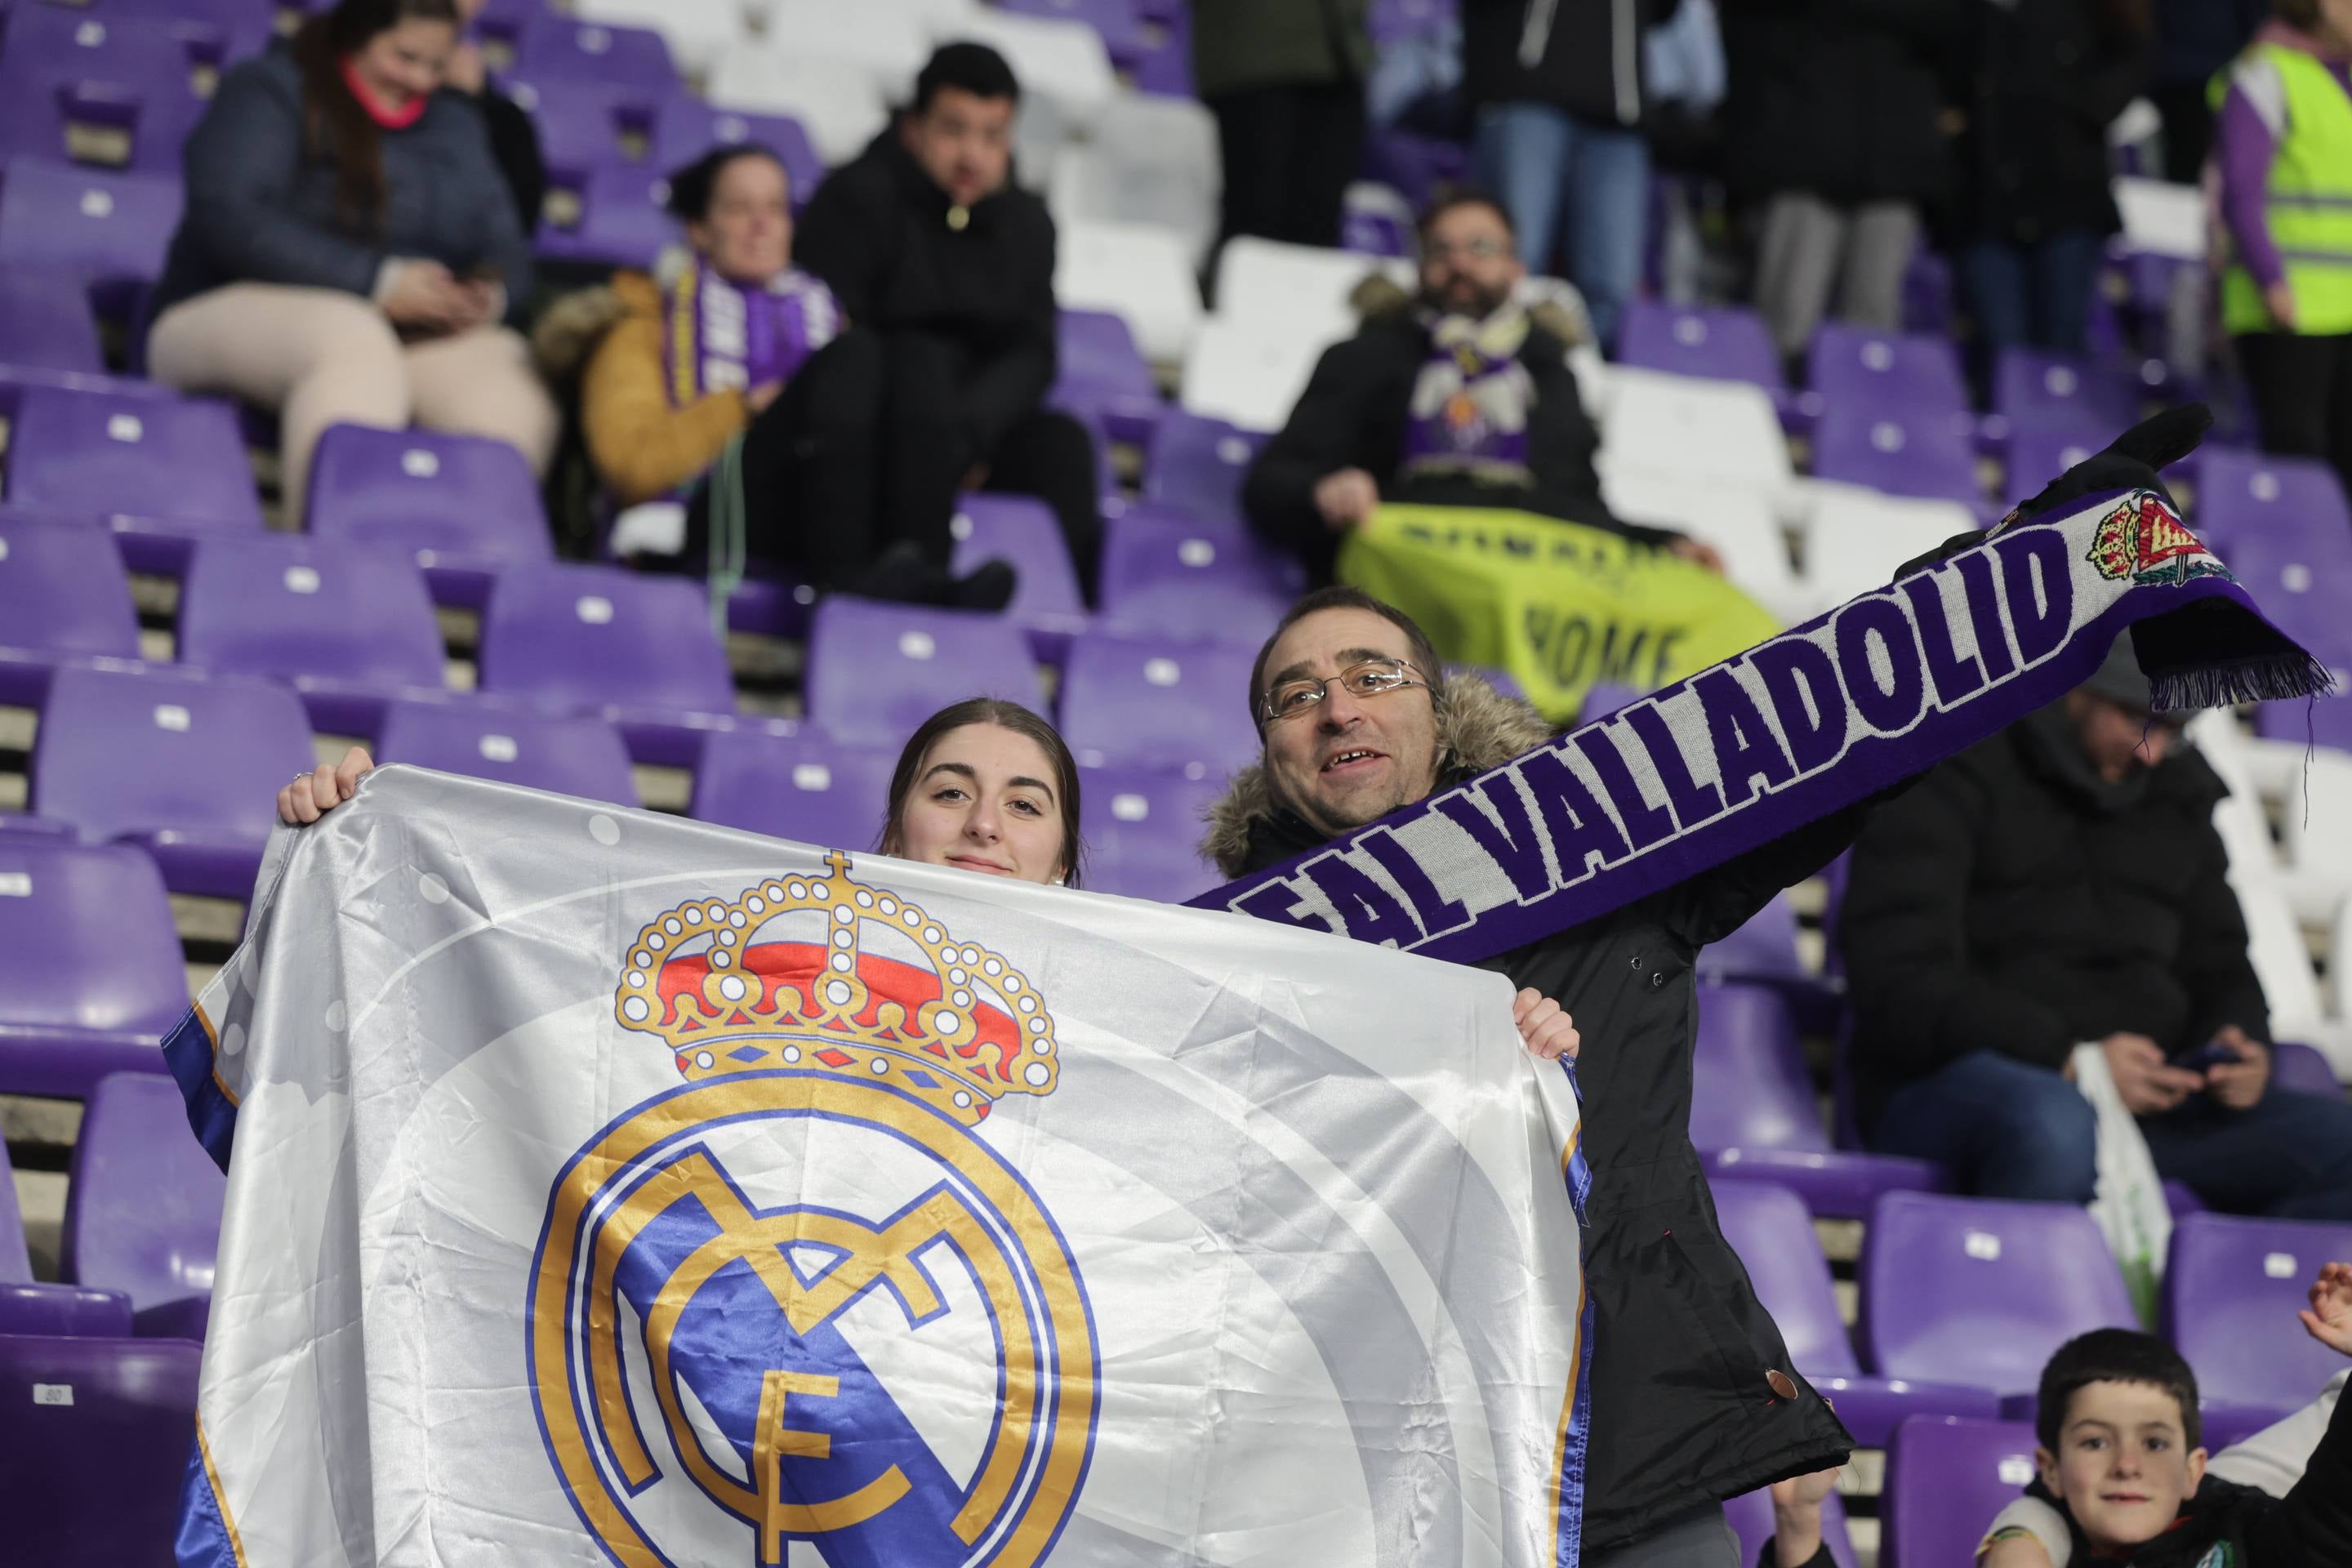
(2272, 678)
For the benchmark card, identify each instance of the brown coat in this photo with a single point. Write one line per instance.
(642, 448)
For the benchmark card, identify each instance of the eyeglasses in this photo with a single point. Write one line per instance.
(1481, 248)
(1370, 677)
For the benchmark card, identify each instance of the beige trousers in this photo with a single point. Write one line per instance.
(321, 357)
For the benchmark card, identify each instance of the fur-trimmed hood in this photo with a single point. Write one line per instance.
(569, 332)
(1477, 727)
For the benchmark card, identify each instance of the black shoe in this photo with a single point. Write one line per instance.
(901, 575)
(990, 587)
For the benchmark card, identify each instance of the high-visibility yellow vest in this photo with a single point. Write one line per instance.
(2307, 203)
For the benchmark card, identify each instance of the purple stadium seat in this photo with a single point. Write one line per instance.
(2232, 1288)
(2241, 493)
(28, 1307)
(1153, 703)
(1946, 1478)
(1753, 1114)
(1416, 166)
(1750, 1518)
(1769, 1227)
(511, 743)
(143, 1208)
(1902, 451)
(45, 322)
(797, 785)
(1165, 575)
(2302, 577)
(1604, 698)
(1166, 67)
(688, 128)
(463, 507)
(582, 124)
(185, 767)
(622, 222)
(2302, 1069)
(876, 670)
(1020, 531)
(68, 66)
(549, 47)
(164, 473)
(1116, 21)
(1981, 1291)
(636, 649)
(2036, 388)
(108, 228)
(347, 626)
(1197, 465)
(1141, 828)
(2038, 454)
(62, 596)
(16, 1263)
(1099, 355)
(1507, 685)
(1890, 372)
(94, 978)
(97, 1480)
(1728, 344)
(213, 32)
(31, 827)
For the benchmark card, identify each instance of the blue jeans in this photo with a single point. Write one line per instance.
(2011, 1130)
(1543, 162)
(2033, 295)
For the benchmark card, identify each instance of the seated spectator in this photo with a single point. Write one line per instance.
(349, 251)
(1460, 395)
(514, 138)
(2032, 1533)
(2122, 1467)
(2058, 884)
(947, 266)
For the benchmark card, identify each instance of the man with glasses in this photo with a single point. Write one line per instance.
(2062, 884)
(1458, 395)
(1694, 1397)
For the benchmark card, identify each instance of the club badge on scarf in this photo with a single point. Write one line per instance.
(1558, 606)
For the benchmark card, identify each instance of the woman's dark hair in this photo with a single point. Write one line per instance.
(692, 187)
(336, 120)
(1005, 716)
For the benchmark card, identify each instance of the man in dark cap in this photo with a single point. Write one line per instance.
(2057, 885)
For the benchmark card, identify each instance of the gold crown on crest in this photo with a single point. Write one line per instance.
(959, 1032)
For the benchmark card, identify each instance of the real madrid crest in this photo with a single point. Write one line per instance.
(796, 1292)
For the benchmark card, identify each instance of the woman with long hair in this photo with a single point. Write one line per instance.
(350, 250)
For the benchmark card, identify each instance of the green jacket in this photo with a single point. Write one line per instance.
(1239, 43)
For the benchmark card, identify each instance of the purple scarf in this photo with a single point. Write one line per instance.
(1470, 402)
(725, 337)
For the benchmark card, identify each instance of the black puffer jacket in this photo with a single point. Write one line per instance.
(2043, 79)
(1685, 1358)
(2013, 902)
(1582, 56)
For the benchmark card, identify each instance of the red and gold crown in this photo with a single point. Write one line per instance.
(754, 984)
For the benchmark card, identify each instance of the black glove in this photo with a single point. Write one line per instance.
(2131, 462)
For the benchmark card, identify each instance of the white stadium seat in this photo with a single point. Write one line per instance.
(1246, 376)
(1297, 291)
(1138, 270)
(2162, 218)
(1706, 432)
(886, 43)
(1739, 523)
(1150, 160)
(1858, 537)
(700, 33)
(837, 104)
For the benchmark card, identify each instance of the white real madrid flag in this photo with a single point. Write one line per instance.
(610, 1188)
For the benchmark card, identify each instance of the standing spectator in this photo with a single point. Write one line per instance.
(514, 140)
(2044, 80)
(2194, 39)
(349, 251)
(1558, 93)
(1286, 80)
(947, 266)
(1831, 124)
(2286, 204)
(1687, 74)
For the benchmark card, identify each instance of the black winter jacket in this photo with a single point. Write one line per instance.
(2013, 901)
(2043, 78)
(1684, 1355)
(884, 237)
(1582, 56)
(1839, 98)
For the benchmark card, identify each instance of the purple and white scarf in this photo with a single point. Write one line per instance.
(1791, 731)
(1471, 400)
(725, 337)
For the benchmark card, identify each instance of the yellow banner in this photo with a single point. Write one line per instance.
(1558, 606)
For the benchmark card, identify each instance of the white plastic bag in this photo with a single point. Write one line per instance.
(2130, 1206)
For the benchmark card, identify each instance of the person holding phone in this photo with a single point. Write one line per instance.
(349, 251)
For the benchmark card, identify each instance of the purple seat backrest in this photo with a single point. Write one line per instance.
(1771, 1230)
(1726, 343)
(1098, 348)
(2241, 493)
(281, 606)
(214, 31)
(1020, 531)
(1197, 465)
(1766, 944)
(418, 489)
(143, 1208)
(591, 635)
(2303, 580)
(45, 322)
(1901, 452)
(126, 751)
(579, 121)
(1981, 1292)
(875, 671)
(16, 1263)
(1141, 828)
(2038, 454)
(1152, 550)
(1604, 698)
(802, 787)
(101, 454)
(108, 228)
(1946, 1478)
(62, 590)
(1886, 370)
(553, 46)
(108, 1468)
(2230, 1293)
(1752, 1089)
(1750, 1518)
(511, 743)
(87, 940)
(2035, 386)
(1157, 703)
(688, 128)
(2299, 1067)
(622, 219)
